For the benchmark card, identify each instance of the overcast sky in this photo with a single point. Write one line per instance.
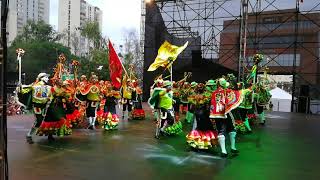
(117, 15)
(125, 14)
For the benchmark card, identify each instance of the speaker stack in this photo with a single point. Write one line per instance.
(304, 99)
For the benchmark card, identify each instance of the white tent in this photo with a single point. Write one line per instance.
(281, 100)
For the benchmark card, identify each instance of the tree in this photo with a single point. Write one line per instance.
(91, 30)
(40, 42)
(132, 53)
(37, 31)
(75, 43)
(98, 58)
(39, 57)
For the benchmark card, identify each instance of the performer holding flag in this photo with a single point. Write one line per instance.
(159, 100)
(167, 54)
(115, 67)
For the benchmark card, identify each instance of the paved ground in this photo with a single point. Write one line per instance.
(286, 148)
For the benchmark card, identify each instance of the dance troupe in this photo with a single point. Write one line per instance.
(216, 109)
(63, 102)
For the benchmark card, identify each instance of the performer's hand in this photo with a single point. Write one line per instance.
(18, 89)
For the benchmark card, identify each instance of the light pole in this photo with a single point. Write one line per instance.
(20, 52)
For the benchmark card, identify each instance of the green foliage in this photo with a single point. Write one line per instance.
(91, 30)
(128, 59)
(40, 56)
(98, 57)
(39, 40)
(37, 31)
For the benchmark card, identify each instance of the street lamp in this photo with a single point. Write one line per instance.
(20, 52)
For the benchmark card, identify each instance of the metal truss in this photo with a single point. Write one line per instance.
(207, 19)
(300, 14)
(197, 18)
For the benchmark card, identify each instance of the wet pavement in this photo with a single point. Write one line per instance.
(286, 148)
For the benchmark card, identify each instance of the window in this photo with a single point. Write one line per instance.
(276, 19)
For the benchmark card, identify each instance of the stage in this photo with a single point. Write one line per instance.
(286, 148)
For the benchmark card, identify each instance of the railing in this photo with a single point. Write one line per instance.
(312, 106)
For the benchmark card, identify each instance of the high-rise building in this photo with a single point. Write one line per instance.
(20, 11)
(73, 14)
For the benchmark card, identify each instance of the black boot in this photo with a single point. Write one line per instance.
(224, 155)
(234, 151)
(50, 137)
(29, 139)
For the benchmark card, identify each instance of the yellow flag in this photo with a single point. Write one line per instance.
(166, 51)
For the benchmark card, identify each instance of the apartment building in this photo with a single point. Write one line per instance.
(73, 14)
(20, 11)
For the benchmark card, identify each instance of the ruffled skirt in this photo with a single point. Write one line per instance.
(108, 121)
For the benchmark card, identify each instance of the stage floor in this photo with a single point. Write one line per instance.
(286, 148)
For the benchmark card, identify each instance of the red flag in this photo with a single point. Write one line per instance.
(115, 67)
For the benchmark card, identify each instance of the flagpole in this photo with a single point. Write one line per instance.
(19, 59)
(171, 73)
(20, 53)
(124, 69)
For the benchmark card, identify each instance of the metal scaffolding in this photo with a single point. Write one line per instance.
(195, 18)
(250, 30)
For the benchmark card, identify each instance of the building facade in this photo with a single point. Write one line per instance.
(20, 11)
(73, 14)
(289, 41)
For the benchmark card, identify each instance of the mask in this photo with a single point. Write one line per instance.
(45, 79)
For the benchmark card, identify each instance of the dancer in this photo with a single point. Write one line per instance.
(107, 116)
(239, 122)
(262, 99)
(223, 101)
(126, 93)
(93, 100)
(138, 112)
(72, 112)
(44, 99)
(157, 85)
(184, 98)
(246, 105)
(80, 98)
(190, 113)
(40, 91)
(203, 134)
(162, 99)
(55, 121)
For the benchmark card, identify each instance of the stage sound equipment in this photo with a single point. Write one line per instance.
(304, 99)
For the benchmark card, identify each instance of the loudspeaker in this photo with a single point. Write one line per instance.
(304, 90)
(196, 58)
(304, 99)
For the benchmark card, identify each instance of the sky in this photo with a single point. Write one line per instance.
(125, 14)
(118, 15)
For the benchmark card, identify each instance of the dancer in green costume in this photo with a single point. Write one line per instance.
(190, 113)
(162, 99)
